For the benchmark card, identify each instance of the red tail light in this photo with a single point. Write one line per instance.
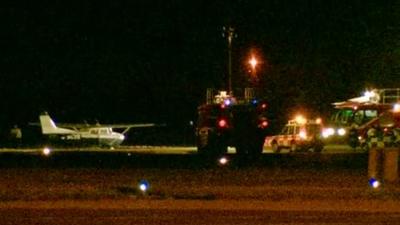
(222, 123)
(264, 106)
(264, 123)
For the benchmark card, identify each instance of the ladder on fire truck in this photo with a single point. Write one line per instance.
(214, 96)
(389, 95)
(375, 96)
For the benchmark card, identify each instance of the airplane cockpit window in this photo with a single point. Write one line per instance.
(104, 131)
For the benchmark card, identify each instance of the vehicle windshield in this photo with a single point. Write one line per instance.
(349, 116)
(290, 130)
(342, 116)
(313, 128)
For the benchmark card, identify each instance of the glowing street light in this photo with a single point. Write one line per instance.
(253, 62)
(300, 119)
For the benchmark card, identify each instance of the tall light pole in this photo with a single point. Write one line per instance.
(229, 33)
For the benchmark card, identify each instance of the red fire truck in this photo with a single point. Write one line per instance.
(225, 121)
(381, 131)
(357, 117)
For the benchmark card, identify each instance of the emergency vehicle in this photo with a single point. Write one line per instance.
(225, 120)
(382, 131)
(354, 117)
(298, 135)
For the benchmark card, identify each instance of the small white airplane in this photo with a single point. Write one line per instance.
(100, 134)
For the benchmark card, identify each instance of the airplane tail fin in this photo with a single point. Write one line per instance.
(49, 127)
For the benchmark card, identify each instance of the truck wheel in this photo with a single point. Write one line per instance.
(293, 147)
(353, 139)
(213, 148)
(256, 148)
(365, 146)
(275, 147)
(353, 143)
(242, 149)
(318, 148)
(250, 148)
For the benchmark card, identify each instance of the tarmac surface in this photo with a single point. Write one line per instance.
(329, 149)
(99, 186)
(131, 212)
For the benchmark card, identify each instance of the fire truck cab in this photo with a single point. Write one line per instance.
(354, 117)
(381, 131)
(225, 121)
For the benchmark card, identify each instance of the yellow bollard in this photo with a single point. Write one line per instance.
(390, 164)
(375, 163)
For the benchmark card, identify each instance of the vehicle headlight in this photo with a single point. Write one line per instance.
(341, 132)
(303, 134)
(327, 132)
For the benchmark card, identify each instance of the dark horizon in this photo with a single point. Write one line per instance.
(152, 61)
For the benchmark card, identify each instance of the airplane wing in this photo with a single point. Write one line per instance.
(127, 127)
(138, 125)
(74, 126)
(47, 122)
(116, 126)
(77, 126)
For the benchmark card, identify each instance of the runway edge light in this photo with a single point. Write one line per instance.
(144, 186)
(374, 183)
(46, 151)
(223, 161)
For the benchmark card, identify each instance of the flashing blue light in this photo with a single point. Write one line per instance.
(374, 183)
(254, 102)
(144, 185)
(227, 101)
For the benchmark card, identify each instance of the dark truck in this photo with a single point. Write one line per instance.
(227, 121)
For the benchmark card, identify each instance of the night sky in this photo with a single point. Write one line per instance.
(151, 61)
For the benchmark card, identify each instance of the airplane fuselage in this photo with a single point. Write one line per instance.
(102, 135)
